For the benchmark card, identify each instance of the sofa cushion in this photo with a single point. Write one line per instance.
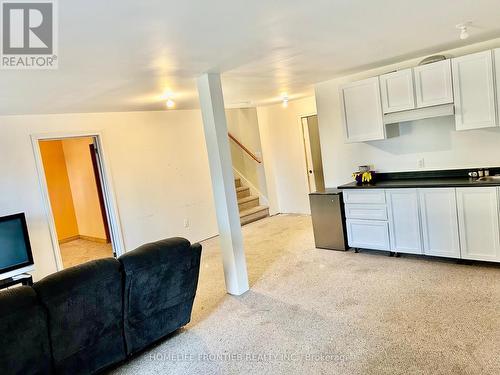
(24, 335)
(85, 310)
(160, 286)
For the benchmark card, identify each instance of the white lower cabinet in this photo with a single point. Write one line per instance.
(446, 222)
(438, 207)
(367, 234)
(404, 221)
(478, 222)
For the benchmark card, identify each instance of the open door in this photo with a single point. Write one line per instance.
(102, 190)
(102, 203)
(312, 148)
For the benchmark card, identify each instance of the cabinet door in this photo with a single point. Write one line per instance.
(438, 208)
(367, 234)
(433, 84)
(474, 91)
(397, 91)
(478, 222)
(362, 111)
(404, 220)
(497, 72)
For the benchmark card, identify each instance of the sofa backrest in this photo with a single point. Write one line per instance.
(24, 335)
(160, 285)
(85, 315)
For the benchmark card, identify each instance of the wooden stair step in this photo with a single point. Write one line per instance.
(248, 202)
(237, 182)
(248, 199)
(253, 214)
(242, 192)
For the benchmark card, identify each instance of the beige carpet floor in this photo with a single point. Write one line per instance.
(312, 311)
(81, 251)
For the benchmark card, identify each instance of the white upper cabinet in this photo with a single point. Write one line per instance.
(497, 72)
(474, 91)
(362, 110)
(478, 221)
(438, 208)
(433, 84)
(404, 220)
(397, 91)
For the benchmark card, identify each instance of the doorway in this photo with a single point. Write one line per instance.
(76, 190)
(312, 148)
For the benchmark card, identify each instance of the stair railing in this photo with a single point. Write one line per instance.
(250, 153)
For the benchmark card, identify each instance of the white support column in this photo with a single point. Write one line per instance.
(221, 171)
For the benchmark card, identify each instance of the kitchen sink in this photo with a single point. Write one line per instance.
(489, 179)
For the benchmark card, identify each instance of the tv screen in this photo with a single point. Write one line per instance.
(15, 249)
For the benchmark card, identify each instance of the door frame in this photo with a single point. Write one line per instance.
(106, 182)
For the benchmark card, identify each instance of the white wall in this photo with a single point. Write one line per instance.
(158, 163)
(284, 155)
(434, 140)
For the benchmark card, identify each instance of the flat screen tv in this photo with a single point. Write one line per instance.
(15, 249)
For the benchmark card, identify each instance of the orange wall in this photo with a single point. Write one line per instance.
(61, 199)
(84, 187)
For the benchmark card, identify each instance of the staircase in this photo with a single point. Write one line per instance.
(249, 205)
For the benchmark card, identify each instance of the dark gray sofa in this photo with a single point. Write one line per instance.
(87, 318)
(85, 311)
(24, 333)
(159, 290)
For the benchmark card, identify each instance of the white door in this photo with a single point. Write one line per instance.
(404, 220)
(478, 221)
(474, 91)
(362, 111)
(433, 84)
(312, 148)
(438, 207)
(397, 91)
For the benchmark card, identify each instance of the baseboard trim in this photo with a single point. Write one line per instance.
(82, 237)
(69, 239)
(93, 239)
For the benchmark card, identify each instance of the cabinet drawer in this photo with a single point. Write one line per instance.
(366, 211)
(368, 234)
(365, 196)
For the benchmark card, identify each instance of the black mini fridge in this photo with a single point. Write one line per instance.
(328, 219)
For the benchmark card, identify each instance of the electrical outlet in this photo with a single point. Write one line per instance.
(186, 223)
(421, 163)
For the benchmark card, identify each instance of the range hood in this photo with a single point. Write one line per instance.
(419, 114)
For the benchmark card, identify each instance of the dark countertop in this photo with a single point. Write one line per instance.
(327, 191)
(422, 183)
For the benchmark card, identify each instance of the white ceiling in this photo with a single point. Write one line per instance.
(121, 55)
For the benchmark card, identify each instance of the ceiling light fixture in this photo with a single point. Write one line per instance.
(463, 27)
(284, 98)
(170, 103)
